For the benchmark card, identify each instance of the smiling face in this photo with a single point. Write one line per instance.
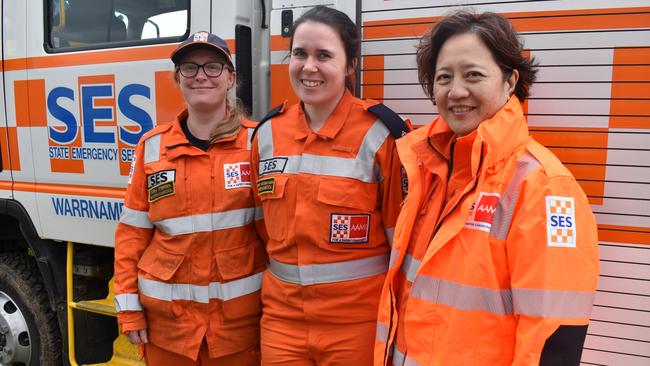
(202, 92)
(468, 86)
(318, 65)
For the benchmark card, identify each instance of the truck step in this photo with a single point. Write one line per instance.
(102, 306)
(124, 354)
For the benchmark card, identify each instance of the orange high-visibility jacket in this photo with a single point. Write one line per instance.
(188, 261)
(330, 202)
(508, 259)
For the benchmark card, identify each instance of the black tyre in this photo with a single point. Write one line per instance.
(29, 332)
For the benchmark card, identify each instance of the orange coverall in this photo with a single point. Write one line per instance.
(188, 261)
(330, 201)
(495, 254)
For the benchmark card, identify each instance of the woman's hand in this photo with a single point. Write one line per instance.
(137, 336)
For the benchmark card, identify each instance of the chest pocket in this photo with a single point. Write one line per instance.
(274, 203)
(166, 189)
(347, 194)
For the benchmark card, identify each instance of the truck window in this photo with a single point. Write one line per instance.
(91, 24)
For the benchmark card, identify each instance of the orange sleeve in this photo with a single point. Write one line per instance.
(552, 250)
(255, 160)
(393, 186)
(132, 236)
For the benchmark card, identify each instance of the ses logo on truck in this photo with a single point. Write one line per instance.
(352, 229)
(161, 184)
(560, 222)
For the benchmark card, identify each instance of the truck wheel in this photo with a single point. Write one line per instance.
(29, 333)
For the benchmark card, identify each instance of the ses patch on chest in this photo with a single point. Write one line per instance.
(349, 229)
(560, 222)
(237, 175)
(161, 184)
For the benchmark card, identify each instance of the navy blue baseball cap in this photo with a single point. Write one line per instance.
(202, 39)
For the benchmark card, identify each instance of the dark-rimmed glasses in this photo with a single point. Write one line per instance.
(211, 69)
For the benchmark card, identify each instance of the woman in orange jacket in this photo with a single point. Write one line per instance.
(495, 254)
(188, 261)
(329, 182)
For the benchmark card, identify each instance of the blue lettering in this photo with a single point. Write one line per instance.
(94, 213)
(63, 115)
(134, 113)
(92, 113)
(127, 155)
(58, 206)
(554, 221)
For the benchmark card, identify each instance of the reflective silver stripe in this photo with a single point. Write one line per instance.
(389, 235)
(249, 136)
(357, 168)
(265, 140)
(202, 294)
(127, 302)
(410, 267)
(362, 167)
(136, 218)
(207, 222)
(552, 303)
(400, 359)
(382, 332)
(462, 297)
(152, 149)
(529, 302)
(393, 258)
(313, 274)
(506, 207)
(259, 213)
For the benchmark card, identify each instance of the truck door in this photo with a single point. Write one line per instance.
(98, 77)
(12, 116)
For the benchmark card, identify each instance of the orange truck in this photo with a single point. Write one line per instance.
(83, 80)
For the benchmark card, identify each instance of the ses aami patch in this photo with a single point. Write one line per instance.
(560, 222)
(161, 184)
(237, 175)
(482, 212)
(350, 229)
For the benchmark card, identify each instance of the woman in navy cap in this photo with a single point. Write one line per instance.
(188, 261)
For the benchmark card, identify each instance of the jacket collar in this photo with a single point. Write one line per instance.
(176, 144)
(334, 122)
(498, 137)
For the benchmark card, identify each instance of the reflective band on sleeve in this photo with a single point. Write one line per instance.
(215, 290)
(331, 272)
(207, 222)
(389, 235)
(529, 302)
(136, 218)
(410, 267)
(382, 332)
(400, 359)
(265, 140)
(127, 302)
(393, 258)
(152, 149)
(259, 213)
(249, 135)
(506, 207)
(552, 303)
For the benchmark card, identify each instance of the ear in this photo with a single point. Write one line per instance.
(232, 79)
(512, 81)
(352, 67)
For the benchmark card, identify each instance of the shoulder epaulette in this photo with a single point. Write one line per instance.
(158, 129)
(272, 113)
(392, 120)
